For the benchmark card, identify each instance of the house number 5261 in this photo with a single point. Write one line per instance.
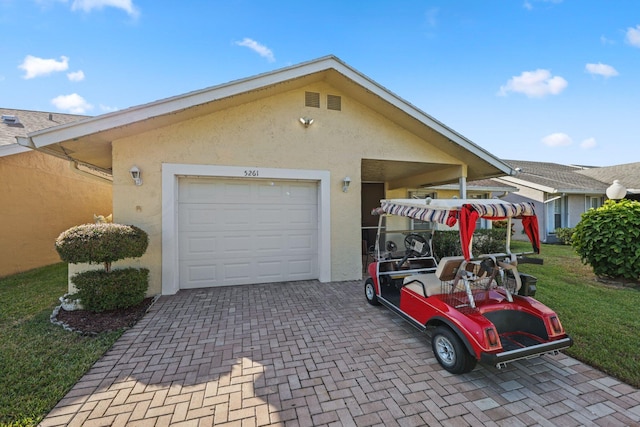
(251, 172)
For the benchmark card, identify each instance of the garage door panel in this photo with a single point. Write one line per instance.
(198, 276)
(242, 232)
(302, 193)
(237, 270)
(197, 217)
(302, 242)
(300, 268)
(268, 244)
(303, 217)
(199, 245)
(270, 270)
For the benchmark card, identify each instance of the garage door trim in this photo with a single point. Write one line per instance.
(172, 171)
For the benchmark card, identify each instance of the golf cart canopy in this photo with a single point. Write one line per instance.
(465, 213)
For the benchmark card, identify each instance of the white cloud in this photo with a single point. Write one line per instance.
(558, 139)
(34, 66)
(260, 49)
(89, 5)
(534, 84)
(601, 69)
(588, 143)
(73, 103)
(633, 36)
(76, 76)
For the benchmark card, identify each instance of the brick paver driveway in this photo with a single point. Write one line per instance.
(306, 354)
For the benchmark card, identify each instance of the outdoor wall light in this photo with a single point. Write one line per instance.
(306, 121)
(345, 183)
(616, 191)
(135, 175)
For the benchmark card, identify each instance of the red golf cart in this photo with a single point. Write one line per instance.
(477, 308)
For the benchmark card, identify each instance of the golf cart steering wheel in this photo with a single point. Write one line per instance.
(415, 244)
(410, 244)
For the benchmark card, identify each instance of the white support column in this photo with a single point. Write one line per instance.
(463, 187)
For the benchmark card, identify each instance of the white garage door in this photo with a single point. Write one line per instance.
(242, 231)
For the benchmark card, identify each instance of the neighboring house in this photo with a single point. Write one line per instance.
(268, 178)
(40, 195)
(627, 174)
(561, 193)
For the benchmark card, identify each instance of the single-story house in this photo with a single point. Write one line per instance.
(265, 179)
(561, 193)
(41, 195)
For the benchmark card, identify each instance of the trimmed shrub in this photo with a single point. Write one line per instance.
(101, 243)
(564, 235)
(608, 239)
(447, 242)
(107, 289)
(100, 290)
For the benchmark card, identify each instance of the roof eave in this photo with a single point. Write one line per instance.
(11, 149)
(123, 118)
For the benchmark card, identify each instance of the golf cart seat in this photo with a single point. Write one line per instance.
(426, 284)
(431, 283)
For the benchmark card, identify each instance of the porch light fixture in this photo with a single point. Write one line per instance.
(135, 175)
(616, 191)
(345, 184)
(306, 121)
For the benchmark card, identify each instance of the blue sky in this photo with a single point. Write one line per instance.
(540, 80)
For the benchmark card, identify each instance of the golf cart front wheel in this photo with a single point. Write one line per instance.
(370, 292)
(451, 352)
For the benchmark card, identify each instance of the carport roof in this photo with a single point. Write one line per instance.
(88, 142)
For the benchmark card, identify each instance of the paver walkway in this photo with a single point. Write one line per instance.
(311, 354)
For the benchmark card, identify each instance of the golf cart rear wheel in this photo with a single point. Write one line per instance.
(370, 292)
(451, 352)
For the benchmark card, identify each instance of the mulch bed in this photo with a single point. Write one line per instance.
(88, 322)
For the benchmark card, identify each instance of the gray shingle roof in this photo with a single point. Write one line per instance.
(30, 121)
(628, 174)
(563, 178)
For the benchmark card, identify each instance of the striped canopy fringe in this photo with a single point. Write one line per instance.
(423, 214)
(512, 210)
(443, 216)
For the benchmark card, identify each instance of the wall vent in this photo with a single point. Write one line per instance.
(334, 102)
(312, 99)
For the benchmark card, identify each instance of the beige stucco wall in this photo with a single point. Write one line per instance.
(267, 133)
(40, 197)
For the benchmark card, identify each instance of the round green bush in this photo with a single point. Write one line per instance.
(101, 243)
(608, 239)
(100, 290)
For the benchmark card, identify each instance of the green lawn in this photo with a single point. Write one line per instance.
(39, 361)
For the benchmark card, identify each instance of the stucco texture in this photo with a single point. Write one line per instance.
(41, 196)
(267, 133)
